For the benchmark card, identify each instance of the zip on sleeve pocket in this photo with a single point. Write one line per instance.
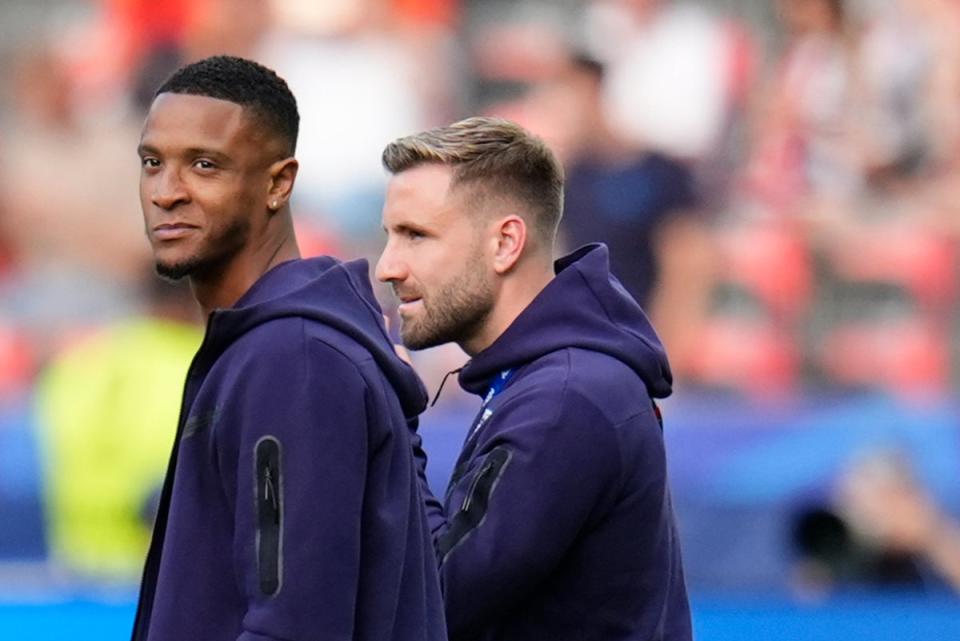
(269, 509)
(473, 509)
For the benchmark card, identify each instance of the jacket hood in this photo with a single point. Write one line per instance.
(324, 289)
(584, 306)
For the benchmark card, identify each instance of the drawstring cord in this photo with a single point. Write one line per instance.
(444, 382)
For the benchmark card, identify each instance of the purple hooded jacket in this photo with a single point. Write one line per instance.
(557, 523)
(291, 509)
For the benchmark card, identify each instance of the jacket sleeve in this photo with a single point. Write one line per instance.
(542, 467)
(296, 475)
(436, 517)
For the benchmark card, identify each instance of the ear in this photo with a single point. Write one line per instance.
(283, 173)
(511, 239)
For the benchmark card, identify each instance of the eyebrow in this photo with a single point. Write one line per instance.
(147, 149)
(407, 227)
(201, 151)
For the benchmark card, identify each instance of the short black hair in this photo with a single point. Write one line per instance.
(246, 83)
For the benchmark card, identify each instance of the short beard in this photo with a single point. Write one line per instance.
(225, 247)
(458, 311)
(176, 271)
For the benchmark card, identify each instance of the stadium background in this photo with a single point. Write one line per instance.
(780, 185)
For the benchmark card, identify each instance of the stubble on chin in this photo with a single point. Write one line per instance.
(455, 312)
(412, 335)
(459, 318)
(174, 271)
(212, 256)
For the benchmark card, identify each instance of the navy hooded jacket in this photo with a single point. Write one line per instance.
(291, 508)
(557, 523)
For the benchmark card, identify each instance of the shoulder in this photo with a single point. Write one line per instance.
(580, 382)
(609, 384)
(297, 345)
(603, 413)
(543, 413)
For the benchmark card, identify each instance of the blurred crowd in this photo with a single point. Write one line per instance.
(778, 182)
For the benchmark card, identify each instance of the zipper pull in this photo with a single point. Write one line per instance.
(269, 492)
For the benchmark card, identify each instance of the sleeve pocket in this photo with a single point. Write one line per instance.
(268, 495)
(473, 509)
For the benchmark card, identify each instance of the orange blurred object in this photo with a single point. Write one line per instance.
(17, 362)
(439, 12)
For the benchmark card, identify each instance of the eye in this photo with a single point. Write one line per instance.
(204, 164)
(414, 234)
(149, 162)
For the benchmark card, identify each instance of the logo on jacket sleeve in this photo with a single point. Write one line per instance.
(201, 421)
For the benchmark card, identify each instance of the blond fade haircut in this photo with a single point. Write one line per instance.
(494, 157)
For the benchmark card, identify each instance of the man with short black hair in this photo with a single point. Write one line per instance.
(290, 510)
(557, 523)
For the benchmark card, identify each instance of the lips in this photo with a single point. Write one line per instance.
(405, 295)
(406, 307)
(173, 231)
(407, 301)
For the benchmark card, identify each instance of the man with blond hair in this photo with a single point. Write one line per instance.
(557, 522)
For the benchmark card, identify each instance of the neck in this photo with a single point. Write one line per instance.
(224, 285)
(517, 291)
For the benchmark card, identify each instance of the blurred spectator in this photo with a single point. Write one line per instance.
(888, 508)
(894, 57)
(670, 72)
(882, 531)
(512, 45)
(68, 203)
(924, 37)
(107, 411)
(638, 201)
(47, 144)
(936, 24)
(359, 81)
(803, 140)
(832, 558)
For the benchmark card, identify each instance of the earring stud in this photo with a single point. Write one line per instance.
(273, 205)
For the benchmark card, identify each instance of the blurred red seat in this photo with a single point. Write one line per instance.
(752, 357)
(901, 252)
(748, 343)
(770, 261)
(906, 356)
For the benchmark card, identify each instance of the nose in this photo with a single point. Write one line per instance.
(168, 189)
(389, 267)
